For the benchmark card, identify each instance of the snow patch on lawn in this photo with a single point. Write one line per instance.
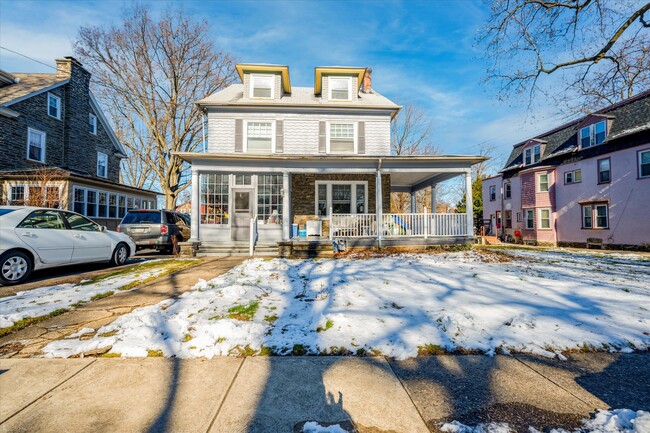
(615, 421)
(314, 427)
(44, 300)
(540, 302)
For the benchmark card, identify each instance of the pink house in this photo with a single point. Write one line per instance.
(584, 183)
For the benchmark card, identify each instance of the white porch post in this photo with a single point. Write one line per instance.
(286, 205)
(469, 200)
(413, 203)
(196, 206)
(378, 206)
(434, 198)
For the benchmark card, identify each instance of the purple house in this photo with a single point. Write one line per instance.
(584, 183)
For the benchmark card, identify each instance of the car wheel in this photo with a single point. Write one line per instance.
(15, 267)
(120, 255)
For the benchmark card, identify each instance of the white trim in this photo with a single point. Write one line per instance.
(329, 87)
(539, 182)
(92, 120)
(573, 176)
(245, 136)
(353, 195)
(526, 219)
(35, 93)
(355, 136)
(639, 159)
(595, 215)
(592, 134)
(59, 105)
(105, 157)
(26, 187)
(107, 126)
(108, 193)
(36, 131)
(550, 219)
(252, 86)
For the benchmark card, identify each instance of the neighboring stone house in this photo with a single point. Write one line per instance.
(58, 149)
(318, 157)
(584, 183)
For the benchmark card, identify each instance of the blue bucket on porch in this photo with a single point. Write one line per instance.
(294, 230)
(302, 233)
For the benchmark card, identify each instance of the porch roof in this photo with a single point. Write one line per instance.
(406, 172)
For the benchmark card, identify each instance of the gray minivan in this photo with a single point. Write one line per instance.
(156, 228)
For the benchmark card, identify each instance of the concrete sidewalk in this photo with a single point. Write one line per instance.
(279, 394)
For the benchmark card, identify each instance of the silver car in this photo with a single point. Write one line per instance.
(38, 238)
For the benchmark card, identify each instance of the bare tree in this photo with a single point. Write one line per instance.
(598, 48)
(411, 135)
(150, 73)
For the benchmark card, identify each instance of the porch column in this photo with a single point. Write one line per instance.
(413, 203)
(286, 205)
(434, 197)
(378, 205)
(196, 206)
(469, 201)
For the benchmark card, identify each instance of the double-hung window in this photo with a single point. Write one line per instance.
(340, 88)
(542, 182)
(604, 171)
(54, 106)
(574, 176)
(593, 135)
(35, 145)
(262, 86)
(545, 218)
(595, 216)
(92, 124)
(530, 218)
(79, 204)
(342, 197)
(507, 190)
(102, 164)
(493, 193)
(342, 138)
(532, 155)
(17, 197)
(259, 137)
(644, 163)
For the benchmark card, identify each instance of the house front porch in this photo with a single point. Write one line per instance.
(251, 200)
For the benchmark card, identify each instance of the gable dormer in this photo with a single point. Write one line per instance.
(532, 151)
(338, 83)
(593, 130)
(264, 82)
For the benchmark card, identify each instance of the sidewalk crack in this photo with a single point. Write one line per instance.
(225, 396)
(407, 393)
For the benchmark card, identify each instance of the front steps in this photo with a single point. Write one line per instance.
(209, 250)
(491, 240)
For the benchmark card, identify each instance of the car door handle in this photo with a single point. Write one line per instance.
(28, 234)
(79, 236)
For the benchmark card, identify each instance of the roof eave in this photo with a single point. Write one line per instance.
(252, 67)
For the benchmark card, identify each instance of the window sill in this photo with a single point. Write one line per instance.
(595, 228)
(54, 117)
(35, 160)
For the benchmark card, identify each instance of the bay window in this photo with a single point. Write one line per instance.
(342, 138)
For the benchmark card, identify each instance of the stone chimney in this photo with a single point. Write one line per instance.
(366, 86)
(68, 66)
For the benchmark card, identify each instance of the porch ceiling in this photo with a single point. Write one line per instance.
(412, 181)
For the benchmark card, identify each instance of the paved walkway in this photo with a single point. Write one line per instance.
(279, 394)
(29, 341)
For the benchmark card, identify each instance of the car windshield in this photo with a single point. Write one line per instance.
(5, 211)
(152, 217)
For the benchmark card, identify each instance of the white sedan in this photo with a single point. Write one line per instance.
(38, 238)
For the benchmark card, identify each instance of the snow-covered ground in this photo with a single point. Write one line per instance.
(45, 300)
(539, 302)
(615, 421)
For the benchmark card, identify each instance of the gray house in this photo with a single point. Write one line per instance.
(316, 157)
(58, 149)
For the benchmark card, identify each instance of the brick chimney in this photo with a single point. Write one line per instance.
(366, 86)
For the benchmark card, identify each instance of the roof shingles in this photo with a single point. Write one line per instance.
(27, 84)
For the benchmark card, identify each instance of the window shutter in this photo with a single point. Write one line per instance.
(322, 137)
(361, 138)
(239, 138)
(279, 136)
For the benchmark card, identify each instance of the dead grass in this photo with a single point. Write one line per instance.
(374, 252)
(27, 321)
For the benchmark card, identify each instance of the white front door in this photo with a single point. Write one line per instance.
(90, 243)
(243, 200)
(45, 232)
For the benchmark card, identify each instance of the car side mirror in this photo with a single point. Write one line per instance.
(102, 228)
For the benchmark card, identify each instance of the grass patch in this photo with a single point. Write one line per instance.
(271, 319)
(27, 321)
(243, 312)
(155, 353)
(221, 339)
(108, 334)
(110, 355)
(99, 296)
(430, 350)
(187, 338)
(298, 350)
(327, 326)
(242, 351)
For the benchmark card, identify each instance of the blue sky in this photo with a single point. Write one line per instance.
(423, 53)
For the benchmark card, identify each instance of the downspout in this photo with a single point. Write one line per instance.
(203, 129)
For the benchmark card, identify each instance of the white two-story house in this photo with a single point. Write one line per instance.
(279, 156)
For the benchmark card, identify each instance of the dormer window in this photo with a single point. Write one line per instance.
(532, 155)
(593, 135)
(262, 86)
(340, 88)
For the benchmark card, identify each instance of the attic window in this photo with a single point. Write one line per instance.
(262, 86)
(593, 135)
(340, 88)
(532, 155)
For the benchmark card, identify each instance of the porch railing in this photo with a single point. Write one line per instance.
(398, 225)
(253, 235)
